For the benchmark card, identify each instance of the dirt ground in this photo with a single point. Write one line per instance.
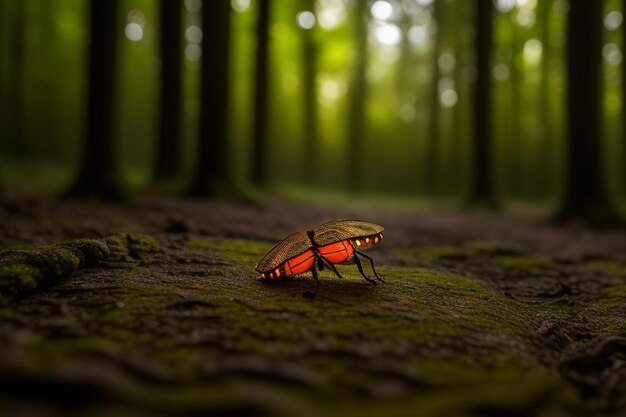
(160, 313)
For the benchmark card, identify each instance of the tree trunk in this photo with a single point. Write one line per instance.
(515, 154)
(16, 45)
(358, 94)
(309, 93)
(261, 98)
(168, 156)
(623, 106)
(98, 172)
(431, 164)
(481, 192)
(543, 151)
(586, 196)
(212, 165)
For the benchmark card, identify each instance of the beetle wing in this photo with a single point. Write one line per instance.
(337, 230)
(293, 245)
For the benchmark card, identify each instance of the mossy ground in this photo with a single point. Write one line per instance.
(177, 323)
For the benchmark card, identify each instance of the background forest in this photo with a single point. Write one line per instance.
(410, 98)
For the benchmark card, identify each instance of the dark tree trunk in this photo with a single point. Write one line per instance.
(98, 174)
(431, 163)
(623, 107)
(515, 154)
(481, 191)
(168, 156)
(309, 95)
(586, 196)
(212, 169)
(543, 151)
(14, 101)
(261, 98)
(358, 94)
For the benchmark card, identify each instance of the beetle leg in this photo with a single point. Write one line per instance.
(357, 261)
(312, 294)
(331, 266)
(369, 258)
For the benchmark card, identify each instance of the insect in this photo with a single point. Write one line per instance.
(335, 242)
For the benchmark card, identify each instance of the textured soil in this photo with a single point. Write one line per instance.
(481, 314)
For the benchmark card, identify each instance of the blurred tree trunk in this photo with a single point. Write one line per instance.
(168, 161)
(431, 165)
(357, 98)
(542, 152)
(481, 191)
(98, 172)
(14, 99)
(623, 28)
(585, 196)
(514, 136)
(212, 169)
(309, 62)
(261, 98)
(455, 160)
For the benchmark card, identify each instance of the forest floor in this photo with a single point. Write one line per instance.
(159, 312)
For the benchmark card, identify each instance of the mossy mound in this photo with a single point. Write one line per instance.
(24, 270)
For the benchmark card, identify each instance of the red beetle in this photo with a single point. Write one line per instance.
(335, 242)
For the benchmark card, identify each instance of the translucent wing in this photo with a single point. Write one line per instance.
(337, 230)
(293, 245)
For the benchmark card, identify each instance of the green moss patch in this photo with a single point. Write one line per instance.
(523, 263)
(607, 266)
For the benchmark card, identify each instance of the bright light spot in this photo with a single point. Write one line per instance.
(133, 32)
(407, 113)
(240, 5)
(417, 34)
(501, 72)
(388, 34)
(193, 5)
(533, 50)
(290, 82)
(446, 62)
(613, 20)
(505, 6)
(305, 19)
(331, 13)
(382, 10)
(525, 18)
(193, 34)
(329, 19)
(612, 54)
(331, 89)
(448, 98)
(135, 16)
(424, 2)
(193, 52)
(528, 4)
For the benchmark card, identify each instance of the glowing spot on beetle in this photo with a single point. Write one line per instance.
(367, 240)
(376, 239)
(277, 272)
(358, 242)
